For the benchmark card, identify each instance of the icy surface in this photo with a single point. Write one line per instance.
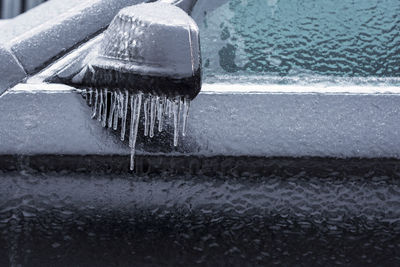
(60, 30)
(136, 105)
(160, 13)
(70, 219)
(10, 69)
(34, 17)
(221, 123)
(304, 38)
(152, 39)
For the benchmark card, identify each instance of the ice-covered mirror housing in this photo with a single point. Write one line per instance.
(152, 48)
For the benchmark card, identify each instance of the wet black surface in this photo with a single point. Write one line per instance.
(91, 219)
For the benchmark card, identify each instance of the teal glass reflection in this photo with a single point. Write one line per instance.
(347, 38)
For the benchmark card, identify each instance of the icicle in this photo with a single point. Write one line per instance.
(146, 115)
(168, 110)
(153, 115)
(85, 94)
(134, 129)
(172, 108)
(120, 104)
(165, 107)
(155, 108)
(131, 133)
(90, 96)
(132, 124)
(124, 115)
(160, 110)
(95, 104)
(116, 97)
(104, 119)
(177, 115)
(186, 106)
(113, 102)
(101, 106)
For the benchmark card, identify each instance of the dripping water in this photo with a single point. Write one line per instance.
(156, 109)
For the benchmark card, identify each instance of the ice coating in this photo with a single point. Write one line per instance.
(177, 112)
(152, 48)
(160, 13)
(158, 39)
(156, 109)
(124, 106)
(152, 115)
(148, 61)
(160, 113)
(186, 106)
(136, 103)
(146, 116)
